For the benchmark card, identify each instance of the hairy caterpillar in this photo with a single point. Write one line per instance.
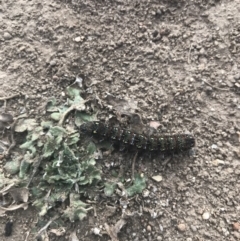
(162, 143)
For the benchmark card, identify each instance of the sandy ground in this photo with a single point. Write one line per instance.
(178, 62)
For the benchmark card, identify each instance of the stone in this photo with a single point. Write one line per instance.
(194, 228)
(236, 235)
(206, 215)
(214, 146)
(53, 62)
(55, 77)
(157, 178)
(145, 193)
(7, 36)
(236, 226)
(12, 167)
(149, 228)
(80, 39)
(181, 227)
(218, 162)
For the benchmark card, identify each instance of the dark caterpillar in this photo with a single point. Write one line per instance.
(162, 143)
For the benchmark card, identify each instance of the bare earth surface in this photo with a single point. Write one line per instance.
(179, 62)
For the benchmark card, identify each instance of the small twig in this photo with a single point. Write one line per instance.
(133, 165)
(70, 109)
(65, 114)
(189, 54)
(36, 166)
(214, 86)
(5, 106)
(9, 97)
(165, 162)
(113, 231)
(13, 142)
(46, 226)
(99, 101)
(95, 211)
(120, 173)
(26, 239)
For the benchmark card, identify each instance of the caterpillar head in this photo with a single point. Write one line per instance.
(190, 141)
(90, 127)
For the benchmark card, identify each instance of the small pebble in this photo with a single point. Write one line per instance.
(225, 231)
(161, 228)
(145, 193)
(206, 215)
(44, 87)
(181, 227)
(237, 85)
(157, 178)
(7, 36)
(12, 167)
(96, 231)
(77, 39)
(208, 90)
(53, 62)
(149, 228)
(55, 77)
(219, 143)
(214, 146)
(236, 226)
(194, 229)
(236, 235)
(217, 162)
(237, 77)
